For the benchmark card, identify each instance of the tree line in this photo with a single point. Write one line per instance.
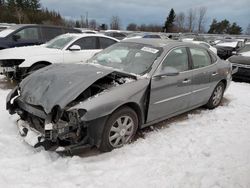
(27, 11)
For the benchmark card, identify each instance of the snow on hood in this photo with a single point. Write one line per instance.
(246, 54)
(59, 84)
(24, 52)
(227, 44)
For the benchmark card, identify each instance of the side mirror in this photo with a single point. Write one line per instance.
(234, 52)
(16, 37)
(167, 71)
(75, 48)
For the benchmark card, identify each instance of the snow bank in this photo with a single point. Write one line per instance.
(208, 149)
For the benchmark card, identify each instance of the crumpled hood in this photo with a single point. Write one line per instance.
(59, 84)
(24, 52)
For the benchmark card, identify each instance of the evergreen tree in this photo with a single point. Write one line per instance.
(234, 29)
(169, 23)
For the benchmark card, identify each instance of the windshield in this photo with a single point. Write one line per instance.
(60, 42)
(128, 57)
(5, 32)
(246, 48)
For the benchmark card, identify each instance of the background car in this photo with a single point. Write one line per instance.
(16, 63)
(116, 34)
(204, 44)
(147, 35)
(128, 86)
(28, 34)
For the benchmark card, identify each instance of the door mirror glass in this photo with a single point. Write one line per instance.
(75, 48)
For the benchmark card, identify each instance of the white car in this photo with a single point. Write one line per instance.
(16, 63)
(204, 44)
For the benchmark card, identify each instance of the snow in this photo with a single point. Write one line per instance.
(200, 149)
(247, 54)
(229, 44)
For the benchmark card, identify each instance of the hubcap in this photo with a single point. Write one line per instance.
(217, 95)
(121, 131)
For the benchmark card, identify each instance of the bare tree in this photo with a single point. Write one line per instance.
(191, 17)
(201, 18)
(132, 27)
(92, 24)
(19, 14)
(115, 23)
(180, 21)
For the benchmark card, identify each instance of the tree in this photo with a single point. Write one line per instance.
(213, 27)
(191, 17)
(179, 22)
(92, 24)
(115, 23)
(234, 29)
(169, 23)
(201, 18)
(248, 30)
(132, 27)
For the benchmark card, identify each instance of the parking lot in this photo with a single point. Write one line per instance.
(201, 148)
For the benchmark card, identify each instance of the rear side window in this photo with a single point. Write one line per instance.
(30, 33)
(213, 57)
(118, 35)
(105, 42)
(50, 33)
(178, 59)
(200, 58)
(86, 43)
(152, 36)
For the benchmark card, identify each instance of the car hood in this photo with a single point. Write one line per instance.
(238, 59)
(59, 84)
(24, 52)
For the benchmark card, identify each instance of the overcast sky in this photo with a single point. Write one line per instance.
(150, 11)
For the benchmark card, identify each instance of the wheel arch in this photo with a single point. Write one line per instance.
(46, 63)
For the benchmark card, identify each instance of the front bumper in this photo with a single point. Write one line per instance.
(243, 72)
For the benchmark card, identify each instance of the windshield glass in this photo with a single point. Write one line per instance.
(5, 32)
(60, 42)
(128, 57)
(246, 48)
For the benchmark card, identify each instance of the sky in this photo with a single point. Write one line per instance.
(150, 11)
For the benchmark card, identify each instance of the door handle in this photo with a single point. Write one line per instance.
(214, 73)
(186, 81)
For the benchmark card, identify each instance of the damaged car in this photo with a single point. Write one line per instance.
(128, 86)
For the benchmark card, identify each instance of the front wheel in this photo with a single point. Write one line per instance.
(216, 96)
(119, 129)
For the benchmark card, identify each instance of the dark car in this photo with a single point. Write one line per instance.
(116, 34)
(127, 86)
(241, 62)
(27, 35)
(225, 49)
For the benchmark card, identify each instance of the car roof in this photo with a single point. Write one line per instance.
(15, 27)
(161, 43)
(80, 35)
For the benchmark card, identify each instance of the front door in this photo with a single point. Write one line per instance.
(171, 94)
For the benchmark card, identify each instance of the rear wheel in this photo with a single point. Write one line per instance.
(119, 129)
(216, 96)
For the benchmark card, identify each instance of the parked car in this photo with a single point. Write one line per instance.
(226, 48)
(116, 34)
(16, 63)
(241, 62)
(28, 34)
(204, 44)
(128, 86)
(147, 36)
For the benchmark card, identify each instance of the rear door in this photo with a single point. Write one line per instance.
(104, 42)
(27, 36)
(171, 94)
(88, 46)
(204, 72)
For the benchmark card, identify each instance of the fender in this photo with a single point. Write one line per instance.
(107, 102)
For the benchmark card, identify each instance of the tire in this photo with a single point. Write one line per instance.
(216, 96)
(119, 129)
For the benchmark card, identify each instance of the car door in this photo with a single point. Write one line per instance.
(171, 94)
(204, 73)
(105, 42)
(88, 47)
(26, 37)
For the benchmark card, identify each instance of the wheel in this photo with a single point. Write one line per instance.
(119, 129)
(35, 68)
(216, 96)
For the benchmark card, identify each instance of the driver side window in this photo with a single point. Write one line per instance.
(86, 43)
(178, 59)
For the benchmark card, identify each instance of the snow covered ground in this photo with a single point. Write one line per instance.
(208, 149)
